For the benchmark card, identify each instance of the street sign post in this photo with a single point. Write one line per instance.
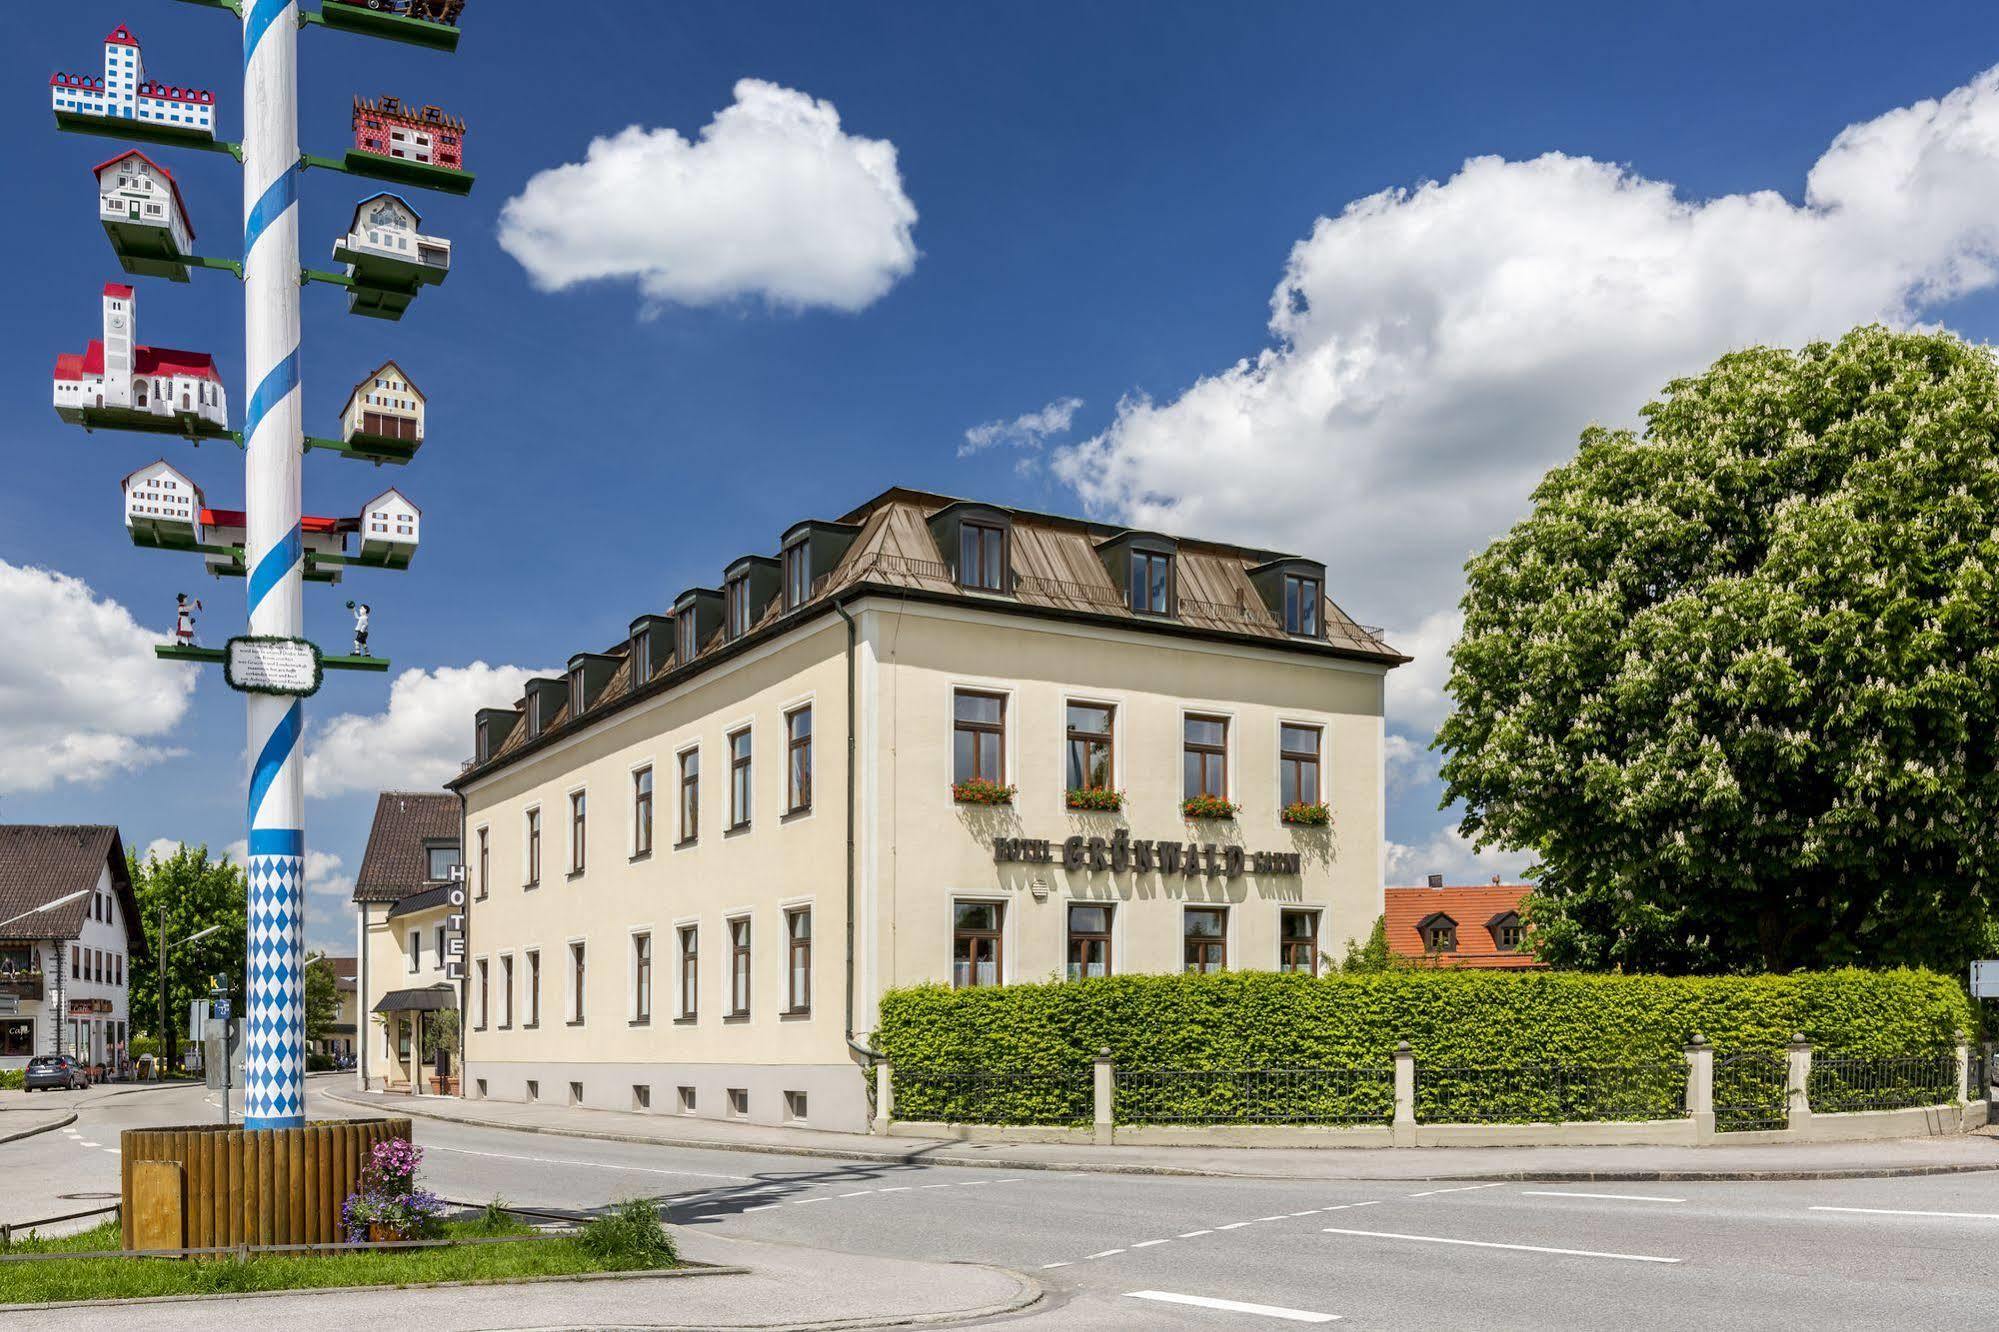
(288, 666)
(1985, 979)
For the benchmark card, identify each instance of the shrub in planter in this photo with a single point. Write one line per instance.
(1303, 815)
(1207, 807)
(978, 791)
(629, 1238)
(388, 1205)
(1096, 797)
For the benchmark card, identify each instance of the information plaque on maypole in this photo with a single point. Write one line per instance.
(260, 664)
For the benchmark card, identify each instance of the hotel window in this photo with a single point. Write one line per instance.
(736, 600)
(690, 796)
(798, 960)
(979, 742)
(739, 967)
(642, 811)
(1089, 941)
(577, 818)
(1152, 582)
(690, 972)
(1298, 942)
(976, 943)
(533, 848)
(797, 575)
(483, 994)
(1090, 746)
(1301, 605)
(439, 861)
(533, 995)
(576, 976)
(440, 948)
(641, 658)
(1206, 757)
(485, 862)
(1206, 932)
(416, 951)
(1298, 766)
(576, 692)
(982, 557)
(739, 779)
(798, 761)
(642, 978)
(683, 636)
(506, 991)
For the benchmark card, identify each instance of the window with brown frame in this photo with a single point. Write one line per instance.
(1298, 942)
(576, 990)
(576, 831)
(534, 848)
(642, 811)
(798, 761)
(1508, 934)
(485, 863)
(690, 796)
(1298, 765)
(798, 959)
(979, 739)
(1152, 582)
(642, 977)
(739, 779)
(1301, 606)
(1089, 940)
(690, 972)
(533, 988)
(1090, 753)
(1440, 935)
(739, 967)
(797, 574)
(976, 944)
(1206, 762)
(982, 557)
(736, 606)
(1206, 931)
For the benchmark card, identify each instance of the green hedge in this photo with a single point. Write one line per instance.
(1043, 1037)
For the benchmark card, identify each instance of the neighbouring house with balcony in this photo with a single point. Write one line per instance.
(69, 929)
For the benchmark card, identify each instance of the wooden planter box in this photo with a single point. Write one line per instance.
(254, 1186)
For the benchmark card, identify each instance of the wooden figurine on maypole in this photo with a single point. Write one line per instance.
(185, 609)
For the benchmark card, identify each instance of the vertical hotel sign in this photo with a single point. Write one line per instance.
(454, 926)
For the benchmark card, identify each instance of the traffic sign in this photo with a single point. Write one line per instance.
(218, 1007)
(1985, 980)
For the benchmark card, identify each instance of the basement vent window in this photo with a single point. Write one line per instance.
(686, 1100)
(576, 1093)
(534, 1090)
(480, 1083)
(641, 1096)
(794, 1106)
(739, 1102)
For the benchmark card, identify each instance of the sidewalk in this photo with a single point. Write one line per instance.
(1826, 1160)
(785, 1287)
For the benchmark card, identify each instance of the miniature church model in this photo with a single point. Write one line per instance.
(143, 212)
(387, 128)
(162, 507)
(384, 407)
(124, 93)
(129, 381)
(389, 530)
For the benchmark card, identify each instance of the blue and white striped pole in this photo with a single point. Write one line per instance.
(273, 441)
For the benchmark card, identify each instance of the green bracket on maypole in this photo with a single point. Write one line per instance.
(377, 449)
(72, 122)
(376, 23)
(395, 170)
(181, 425)
(216, 657)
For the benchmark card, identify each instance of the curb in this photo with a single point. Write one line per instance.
(49, 1127)
(923, 1157)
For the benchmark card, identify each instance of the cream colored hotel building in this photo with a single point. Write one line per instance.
(697, 861)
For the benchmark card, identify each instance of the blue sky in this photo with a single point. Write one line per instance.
(1105, 198)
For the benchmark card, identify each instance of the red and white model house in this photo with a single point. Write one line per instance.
(125, 93)
(116, 373)
(320, 536)
(141, 207)
(388, 128)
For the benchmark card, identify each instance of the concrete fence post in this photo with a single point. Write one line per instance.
(1404, 1128)
(1963, 1073)
(1700, 1087)
(1797, 1083)
(1104, 1093)
(884, 1096)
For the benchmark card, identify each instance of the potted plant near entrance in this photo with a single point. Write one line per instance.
(440, 1041)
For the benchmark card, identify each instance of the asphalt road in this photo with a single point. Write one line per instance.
(1156, 1252)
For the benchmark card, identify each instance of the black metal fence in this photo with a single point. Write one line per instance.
(1255, 1096)
(1751, 1091)
(1551, 1093)
(1882, 1082)
(978, 1096)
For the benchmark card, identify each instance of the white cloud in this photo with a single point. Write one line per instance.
(323, 877)
(1415, 693)
(774, 200)
(162, 848)
(81, 695)
(1452, 856)
(1435, 350)
(420, 742)
(1027, 431)
(237, 852)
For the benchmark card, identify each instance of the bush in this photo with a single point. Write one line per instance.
(629, 1238)
(11, 1079)
(1048, 1034)
(315, 1062)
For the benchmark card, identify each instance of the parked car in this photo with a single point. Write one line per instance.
(55, 1073)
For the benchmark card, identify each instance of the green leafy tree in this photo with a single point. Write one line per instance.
(322, 998)
(1736, 679)
(192, 892)
(1366, 956)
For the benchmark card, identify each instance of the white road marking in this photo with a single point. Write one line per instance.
(1234, 1306)
(1341, 1207)
(933, 1186)
(900, 1188)
(1105, 1254)
(1046, 1266)
(114, 1151)
(800, 1202)
(1192, 1233)
(976, 1183)
(861, 1194)
(594, 1165)
(1431, 1193)
(1271, 1218)
(1235, 1225)
(1309, 1211)
(1491, 1244)
(1897, 1211)
(1611, 1197)
(81, 1143)
(1146, 1244)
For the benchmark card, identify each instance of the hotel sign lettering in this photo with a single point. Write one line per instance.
(1119, 853)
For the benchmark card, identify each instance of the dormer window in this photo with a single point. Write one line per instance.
(1152, 582)
(797, 574)
(736, 601)
(534, 713)
(1440, 933)
(684, 637)
(1508, 932)
(982, 556)
(1301, 605)
(641, 658)
(576, 694)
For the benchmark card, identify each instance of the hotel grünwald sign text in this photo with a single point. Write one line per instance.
(1120, 853)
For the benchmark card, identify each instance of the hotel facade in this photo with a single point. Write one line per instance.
(932, 741)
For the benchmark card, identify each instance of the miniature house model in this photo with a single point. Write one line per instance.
(387, 128)
(141, 207)
(384, 406)
(123, 93)
(162, 507)
(319, 536)
(386, 225)
(116, 374)
(389, 530)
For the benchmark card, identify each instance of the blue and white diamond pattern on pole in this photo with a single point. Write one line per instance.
(274, 1054)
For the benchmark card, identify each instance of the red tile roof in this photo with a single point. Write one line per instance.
(118, 289)
(307, 522)
(1471, 907)
(145, 361)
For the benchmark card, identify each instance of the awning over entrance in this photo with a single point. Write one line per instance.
(428, 1000)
